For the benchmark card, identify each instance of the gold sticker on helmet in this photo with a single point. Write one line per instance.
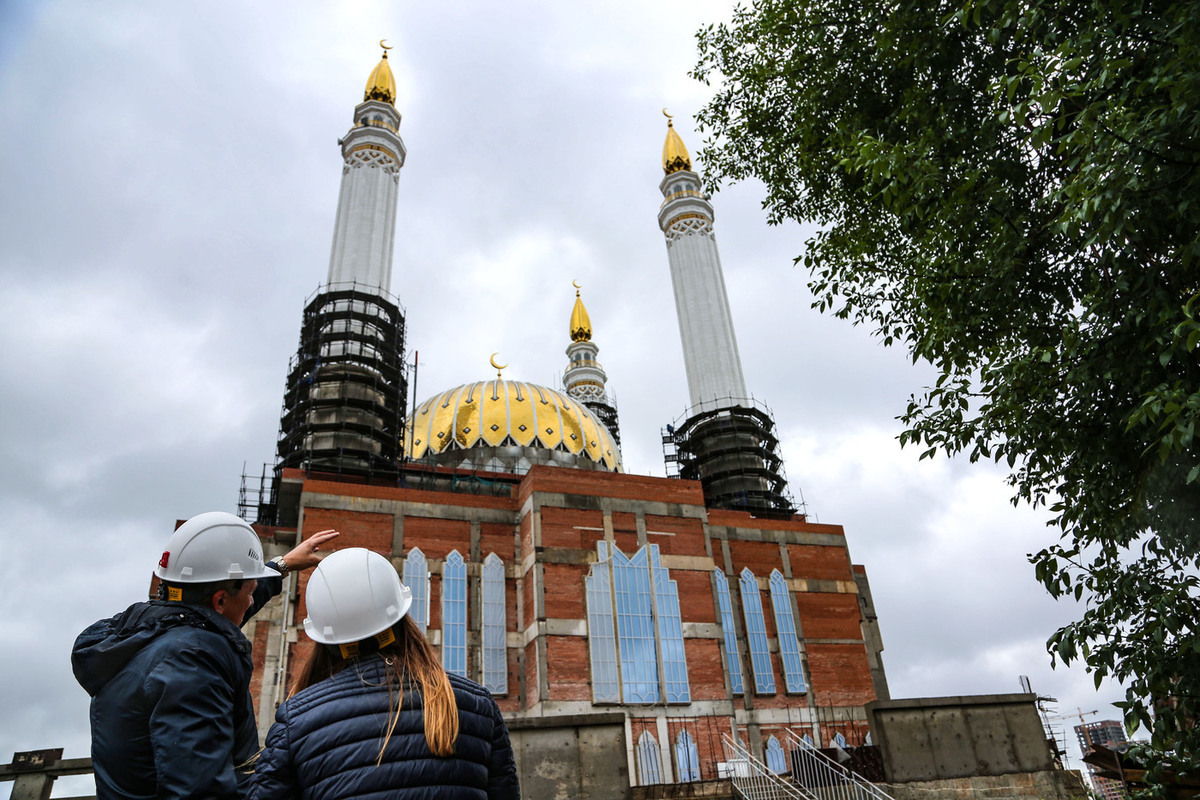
(349, 650)
(175, 593)
(385, 637)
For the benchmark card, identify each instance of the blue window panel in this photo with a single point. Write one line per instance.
(785, 627)
(416, 578)
(776, 760)
(687, 758)
(454, 614)
(649, 763)
(756, 634)
(670, 632)
(635, 627)
(733, 661)
(495, 625)
(839, 740)
(602, 638)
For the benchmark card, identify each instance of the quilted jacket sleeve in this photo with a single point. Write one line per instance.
(274, 777)
(191, 730)
(503, 783)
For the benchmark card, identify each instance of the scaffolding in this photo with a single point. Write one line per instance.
(346, 397)
(734, 453)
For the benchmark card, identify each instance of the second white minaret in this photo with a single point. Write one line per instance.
(710, 351)
(365, 230)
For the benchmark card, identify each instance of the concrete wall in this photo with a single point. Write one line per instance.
(937, 738)
(1055, 784)
(567, 757)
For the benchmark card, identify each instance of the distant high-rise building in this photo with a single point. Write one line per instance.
(1102, 734)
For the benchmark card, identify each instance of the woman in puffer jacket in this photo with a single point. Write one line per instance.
(372, 711)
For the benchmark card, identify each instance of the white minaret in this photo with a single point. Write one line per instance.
(373, 151)
(710, 351)
(584, 378)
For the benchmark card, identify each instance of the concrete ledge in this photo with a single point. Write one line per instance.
(566, 721)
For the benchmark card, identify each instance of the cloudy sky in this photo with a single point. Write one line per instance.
(168, 181)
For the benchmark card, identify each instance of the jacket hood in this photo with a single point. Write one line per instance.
(106, 646)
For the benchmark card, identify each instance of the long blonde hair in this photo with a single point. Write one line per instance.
(409, 658)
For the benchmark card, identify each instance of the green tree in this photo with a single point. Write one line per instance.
(1010, 190)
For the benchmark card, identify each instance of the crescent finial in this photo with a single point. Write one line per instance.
(385, 46)
(497, 367)
(577, 286)
(668, 116)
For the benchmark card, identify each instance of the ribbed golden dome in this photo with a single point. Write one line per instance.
(498, 413)
(675, 155)
(381, 85)
(581, 324)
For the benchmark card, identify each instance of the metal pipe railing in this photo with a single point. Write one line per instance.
(751, 778)
(825, 778)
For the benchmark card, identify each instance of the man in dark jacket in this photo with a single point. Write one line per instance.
(171, 713)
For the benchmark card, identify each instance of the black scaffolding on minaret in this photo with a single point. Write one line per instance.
(346, 396)
(734, 453)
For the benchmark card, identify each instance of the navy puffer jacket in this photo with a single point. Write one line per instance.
(171, 712)
(326, 739)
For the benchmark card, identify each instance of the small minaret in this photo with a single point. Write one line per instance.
(584, 378)
(710, 351)
(345, 402)
(372, 154)
(725, 440)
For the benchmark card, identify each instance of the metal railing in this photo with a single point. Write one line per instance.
(33, 773)
(822, 777)
(752, 779)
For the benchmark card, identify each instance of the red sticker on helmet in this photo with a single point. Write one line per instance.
(162, 562)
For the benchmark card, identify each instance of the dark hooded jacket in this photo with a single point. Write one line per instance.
(326, 740)
(171, 712)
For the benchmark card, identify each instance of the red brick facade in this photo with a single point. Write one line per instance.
(547, 532)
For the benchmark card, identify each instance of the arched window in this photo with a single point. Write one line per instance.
(687, 758)
(454, 614)
(785, 628)
(670, 632)
(416, 578)
(635, 627)
(634, 621)
(649, 764)
(776, 759)
(733, 660)
(756, 634)
(495, 625)
(602, 638)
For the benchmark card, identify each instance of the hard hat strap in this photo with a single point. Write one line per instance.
(369, 645)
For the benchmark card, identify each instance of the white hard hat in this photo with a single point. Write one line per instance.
(353, 594)
(214, 546)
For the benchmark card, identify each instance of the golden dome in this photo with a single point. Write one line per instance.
(381, 85)
(581, 324)
(509, 421)
(675, 155)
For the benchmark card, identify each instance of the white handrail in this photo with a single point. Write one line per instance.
(751, 778)
(820, 775)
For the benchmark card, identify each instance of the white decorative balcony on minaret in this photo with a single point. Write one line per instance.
(710, 351)
(373, 154)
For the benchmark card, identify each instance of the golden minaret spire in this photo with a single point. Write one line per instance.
(675, 155)
(581, 324)
(381, 85)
